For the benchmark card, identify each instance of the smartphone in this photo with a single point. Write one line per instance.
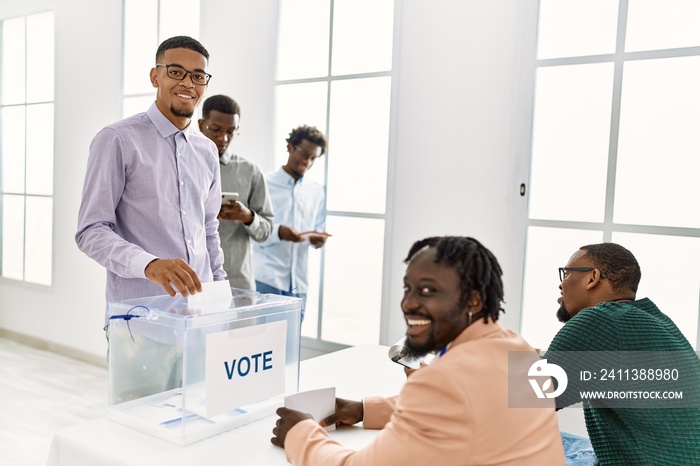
(226, 197)
(397, 353)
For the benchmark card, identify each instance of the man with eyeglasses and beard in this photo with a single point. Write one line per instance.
(299, 203)
(457, 410)
(609, 342)
(250, 216)
(152, 192)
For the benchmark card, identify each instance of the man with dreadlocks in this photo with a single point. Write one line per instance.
(456, 410)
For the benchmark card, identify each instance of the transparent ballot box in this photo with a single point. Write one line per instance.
(183, 374)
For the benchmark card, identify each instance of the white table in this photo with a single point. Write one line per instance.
(355, 372)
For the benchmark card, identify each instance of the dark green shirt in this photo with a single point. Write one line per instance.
(633, 436)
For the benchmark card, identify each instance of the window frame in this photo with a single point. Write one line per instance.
(317, 343)
(24, 12)
(159, 27)
(618, 58)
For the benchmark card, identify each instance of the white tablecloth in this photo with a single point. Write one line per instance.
(355, 372)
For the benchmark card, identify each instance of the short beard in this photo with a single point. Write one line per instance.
(411, 351)
(181, 113)
(562, 315)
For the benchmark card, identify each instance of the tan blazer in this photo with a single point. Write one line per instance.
(453, 412)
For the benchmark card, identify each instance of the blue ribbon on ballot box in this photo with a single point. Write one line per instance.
(128, 316)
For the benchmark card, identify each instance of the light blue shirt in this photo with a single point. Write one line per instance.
(151, 191)
(302, 206)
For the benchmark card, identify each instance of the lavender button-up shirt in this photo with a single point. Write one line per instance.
(151, 191)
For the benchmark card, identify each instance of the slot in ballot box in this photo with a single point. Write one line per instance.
(183, 374)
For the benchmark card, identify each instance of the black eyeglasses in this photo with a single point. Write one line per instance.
(232, 133)
(564, 271)
(309, 155)
(178, 73)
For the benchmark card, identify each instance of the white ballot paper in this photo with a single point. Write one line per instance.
(214, 296)
(319, 403)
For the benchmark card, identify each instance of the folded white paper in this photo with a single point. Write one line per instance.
(319, 403)
(214, 296)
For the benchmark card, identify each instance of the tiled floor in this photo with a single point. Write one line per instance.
(40, 393)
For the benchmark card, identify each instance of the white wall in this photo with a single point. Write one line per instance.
(458, 113)
(241, 37)
(88, 96)
(457, 170)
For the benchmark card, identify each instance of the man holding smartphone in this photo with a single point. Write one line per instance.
(281, 262)
(461, 409)
(249, 215)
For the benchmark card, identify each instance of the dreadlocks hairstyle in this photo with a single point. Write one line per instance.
(477, 267)
(220, 103)
(311, 134)
(619, 264)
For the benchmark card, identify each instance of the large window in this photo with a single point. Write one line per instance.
(147, 23)
(26, 148)
(333, 76)
(615, 150)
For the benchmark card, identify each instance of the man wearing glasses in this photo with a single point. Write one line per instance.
(249, 217)
(609, 343)
(281, 262)
(152, 192)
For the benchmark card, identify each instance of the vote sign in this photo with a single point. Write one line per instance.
(244, 366)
